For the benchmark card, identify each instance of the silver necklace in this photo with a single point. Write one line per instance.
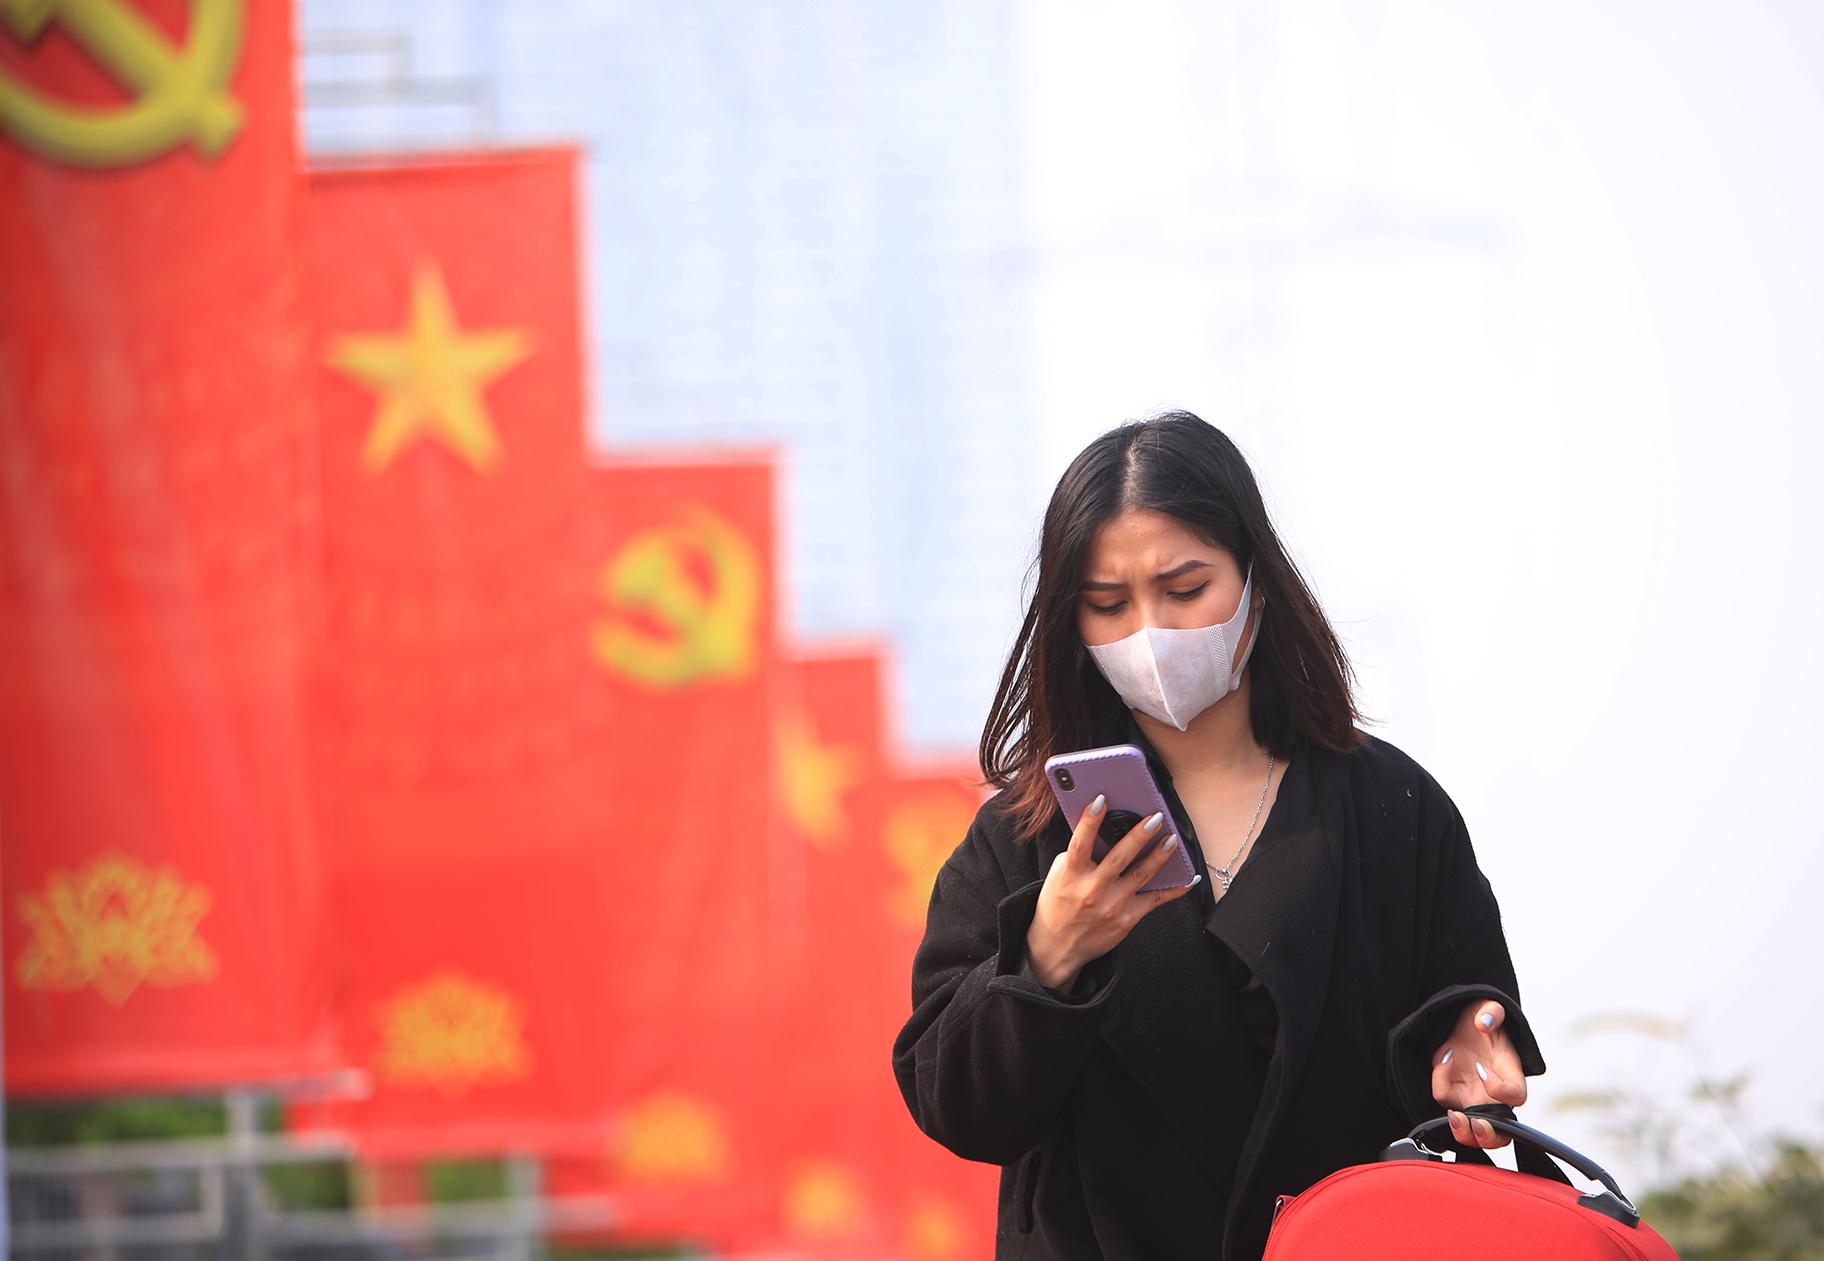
(1226, 872)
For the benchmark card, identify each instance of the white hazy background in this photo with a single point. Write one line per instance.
(1517, 311)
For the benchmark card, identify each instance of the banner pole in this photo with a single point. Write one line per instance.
(241, 1236)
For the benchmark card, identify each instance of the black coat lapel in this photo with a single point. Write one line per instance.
(1173, 1021)
(1175, 1024)
(1280, 919)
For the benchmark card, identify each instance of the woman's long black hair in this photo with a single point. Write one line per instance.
(1052, 698)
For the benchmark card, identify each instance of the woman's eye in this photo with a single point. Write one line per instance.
(1192, 594)
(1109, 609)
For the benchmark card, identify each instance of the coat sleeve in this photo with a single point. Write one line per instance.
(1462, 958)
(989, 1056)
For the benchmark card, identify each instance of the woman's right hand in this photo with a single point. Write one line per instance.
(1087, 908)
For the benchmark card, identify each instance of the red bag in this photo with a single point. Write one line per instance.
(1412, 1203)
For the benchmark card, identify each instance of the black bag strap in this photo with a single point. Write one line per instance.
(1534, 1151)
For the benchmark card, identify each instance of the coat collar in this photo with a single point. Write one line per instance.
(1176, 1027)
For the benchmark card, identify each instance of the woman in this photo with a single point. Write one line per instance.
(1153, 1069)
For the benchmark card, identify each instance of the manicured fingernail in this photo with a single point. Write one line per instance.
(1166, 845)
(1452, 1051)
(1486, 1020)
(1095, 807)
(1482, 1073)
(1196, 880)
(1152, 824)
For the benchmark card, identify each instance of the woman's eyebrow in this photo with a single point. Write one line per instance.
(1177, 571)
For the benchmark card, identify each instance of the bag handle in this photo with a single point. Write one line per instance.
(1610, 1202)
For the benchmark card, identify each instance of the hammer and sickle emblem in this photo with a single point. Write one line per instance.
(180, 93)
(704, 633)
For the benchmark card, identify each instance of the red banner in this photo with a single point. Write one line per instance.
(465, 722)
(945, 1206)
(165, 916)
(449, 375)
(841, 1170)
(835, 1195)
(682, 577)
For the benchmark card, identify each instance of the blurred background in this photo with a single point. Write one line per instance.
(513, 514)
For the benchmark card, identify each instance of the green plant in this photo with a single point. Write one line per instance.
(113, 1121)
(1767, 1205)
(1726, 1215)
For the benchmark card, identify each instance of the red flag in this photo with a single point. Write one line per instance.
(945, 1209)
(860, 1179)
(835, 1196)
(449, 382)
(165, 919)
(841, 1171)
(857, 1178)
(682, 577)
(464, 727)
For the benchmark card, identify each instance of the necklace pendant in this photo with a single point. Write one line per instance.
(1225, 875)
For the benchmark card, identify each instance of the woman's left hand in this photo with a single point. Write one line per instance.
(1477, 1064)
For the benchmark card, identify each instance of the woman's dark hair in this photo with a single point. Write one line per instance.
(1052, 698)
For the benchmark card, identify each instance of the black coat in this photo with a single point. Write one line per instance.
(1131, 1116)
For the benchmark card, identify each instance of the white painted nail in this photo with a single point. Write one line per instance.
(1482, 1073)
(1486, 1020)
(1152, 824)
(1166, 845)
(1447, 1054)
(1095, 807)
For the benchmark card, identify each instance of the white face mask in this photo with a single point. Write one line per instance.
(1174, 675)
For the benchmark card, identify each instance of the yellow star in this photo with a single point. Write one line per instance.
(919, 837)
(430, 376)
(813, 776)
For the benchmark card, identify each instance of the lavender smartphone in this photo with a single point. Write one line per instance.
(1118, 772)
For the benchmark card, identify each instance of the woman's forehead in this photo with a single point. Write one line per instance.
(1143, 537)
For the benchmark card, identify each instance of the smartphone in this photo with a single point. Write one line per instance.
(1119, 772)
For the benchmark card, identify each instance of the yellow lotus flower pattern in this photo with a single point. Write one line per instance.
(116, 924)
(934, 1230)
(451, 1033)
(822, 1200)
(674, 1136)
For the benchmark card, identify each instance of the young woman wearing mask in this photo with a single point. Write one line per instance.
(1152, 1069)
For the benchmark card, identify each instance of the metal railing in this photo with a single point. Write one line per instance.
(209, 1200)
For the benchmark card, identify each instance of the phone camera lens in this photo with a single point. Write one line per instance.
(1066, 781)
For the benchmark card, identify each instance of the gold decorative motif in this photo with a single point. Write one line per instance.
(813, 777)
(674, 1136)
(451, 1033)
(116, 924)
(934, 1230)
(822, 1200)
(179, 95)
(701, 633)
(920, 834)
(430, 377)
